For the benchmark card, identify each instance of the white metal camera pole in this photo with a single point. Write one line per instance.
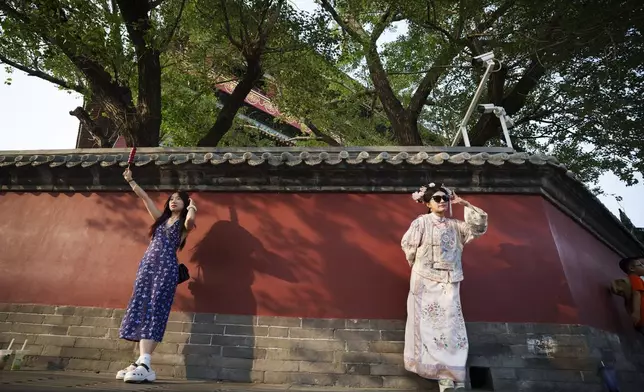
(489, 59)
(504, 120)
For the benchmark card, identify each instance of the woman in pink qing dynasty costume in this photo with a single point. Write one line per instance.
(436, 342)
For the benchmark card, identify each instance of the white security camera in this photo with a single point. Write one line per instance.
(485, 108)
(483, 58)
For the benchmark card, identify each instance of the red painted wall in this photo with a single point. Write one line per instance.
(584, 260)
(311, 255)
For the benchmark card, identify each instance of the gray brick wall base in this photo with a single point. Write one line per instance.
(324, 352)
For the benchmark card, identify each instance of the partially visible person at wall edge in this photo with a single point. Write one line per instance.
(634, 268)
(156, 281)
(622, 288)
(436, 344)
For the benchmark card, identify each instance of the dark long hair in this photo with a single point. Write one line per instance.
(427, 197)
(167, 213)
(625, 263)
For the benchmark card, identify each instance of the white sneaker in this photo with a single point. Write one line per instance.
(446, 385)
(121, 373)
(142, 373)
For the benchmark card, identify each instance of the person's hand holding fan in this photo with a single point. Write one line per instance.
(127, 174)
(130, 159)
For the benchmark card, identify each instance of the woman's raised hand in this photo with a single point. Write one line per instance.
(457, 200)
(127, 174)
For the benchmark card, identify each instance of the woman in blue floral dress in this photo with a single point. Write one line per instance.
(156, 280)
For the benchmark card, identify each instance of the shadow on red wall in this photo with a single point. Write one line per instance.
(299, 256)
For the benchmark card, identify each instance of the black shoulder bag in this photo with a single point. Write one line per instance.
(183, 274)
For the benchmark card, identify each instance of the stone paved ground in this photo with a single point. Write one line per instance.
(37, 381)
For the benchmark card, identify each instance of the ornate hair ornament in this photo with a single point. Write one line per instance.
(418, 196)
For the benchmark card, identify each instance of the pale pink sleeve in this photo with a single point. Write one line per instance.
(474, 226)
(412, 239)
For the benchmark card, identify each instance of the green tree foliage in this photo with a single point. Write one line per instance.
(120, 53)
(570, 73)
(109, 51)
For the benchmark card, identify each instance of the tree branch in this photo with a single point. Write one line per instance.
(174, 28)
(323, 136)
(433, 26)
(234, 102)
(244, 33)
(424, 71)
(271, 21)
(357, 34)
(515, 100)
(137, 22)
(496, 14)
(229, 33)
(44, 76)
(382, 24)
(99, 135)
(536, 116)
(460, 24)
(430, 79)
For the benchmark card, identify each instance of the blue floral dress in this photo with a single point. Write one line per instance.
(156, 282)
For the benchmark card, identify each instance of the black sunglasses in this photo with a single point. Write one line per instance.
(439, 198)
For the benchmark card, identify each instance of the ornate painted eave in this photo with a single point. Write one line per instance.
(333, 169)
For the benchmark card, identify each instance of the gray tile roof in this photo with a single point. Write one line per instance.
(275, 157)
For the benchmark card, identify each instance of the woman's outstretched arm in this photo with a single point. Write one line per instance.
(190, 218)
(149, 204)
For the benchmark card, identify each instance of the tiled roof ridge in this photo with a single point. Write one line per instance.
(273, 157)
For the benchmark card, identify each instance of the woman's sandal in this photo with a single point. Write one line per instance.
(121, 373)
(142, 373)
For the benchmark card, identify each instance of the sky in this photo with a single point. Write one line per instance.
(34, 115)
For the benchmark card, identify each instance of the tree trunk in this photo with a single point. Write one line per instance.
(149, 100)
(406, 129)
(143, 122)
(404, 126)
(234, 102)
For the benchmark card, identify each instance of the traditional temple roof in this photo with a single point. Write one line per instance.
(332, 169)
(275, 156)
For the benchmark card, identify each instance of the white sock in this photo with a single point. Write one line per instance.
(145, 358)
